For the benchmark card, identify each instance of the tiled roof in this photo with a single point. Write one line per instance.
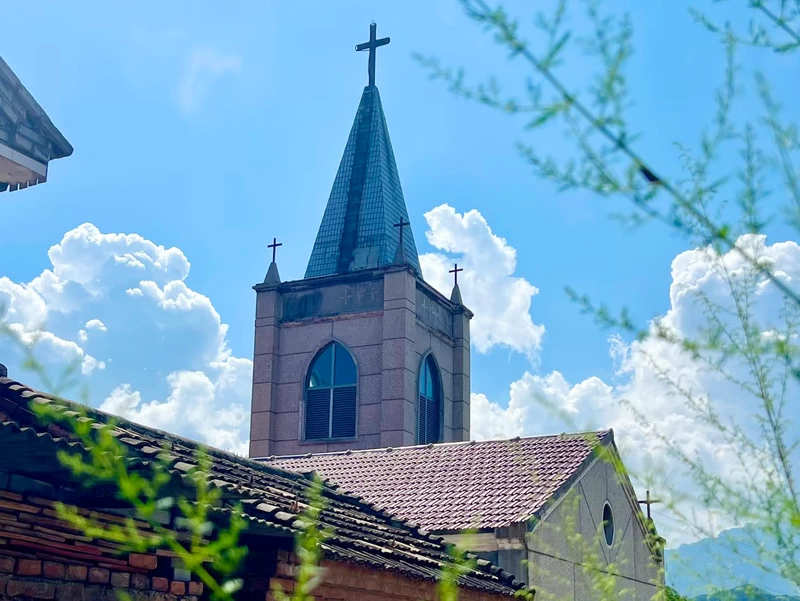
(357, 229)
(271, 497)
(455, 486)
(61, 147)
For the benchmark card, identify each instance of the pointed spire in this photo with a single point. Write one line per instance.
(400, 255)
(455, 295)
(366, 201)
(272, 279)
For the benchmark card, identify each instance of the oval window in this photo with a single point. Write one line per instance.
(608, 524)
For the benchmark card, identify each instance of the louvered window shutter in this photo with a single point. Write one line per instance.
(432, 420)
(318, 412)
(344, 412)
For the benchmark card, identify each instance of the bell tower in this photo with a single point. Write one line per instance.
(362, 352)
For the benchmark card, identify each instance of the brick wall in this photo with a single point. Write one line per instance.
(349, 582)
(41, 557)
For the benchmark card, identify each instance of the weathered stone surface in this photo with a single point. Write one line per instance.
(358, 331)
(260, 425)
(7, 565)
(292, 368)
(369, 359)
(69, 592)
(77, 573)
(286, 426)
(398, 412)
(369, 419)
(306, 337)
(262, 396)
(370, 390)
(120, 579)
(288, 397)
(99, 575)
(262, 369)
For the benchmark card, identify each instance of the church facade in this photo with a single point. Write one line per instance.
(362, 374)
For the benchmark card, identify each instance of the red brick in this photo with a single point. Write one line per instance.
(99, 575)
(177, 588)
(7, 565)
(120, 579)
(29, 567)
(140, 581)
(160, 584)
(3, 581)
(148, 562)
(77, 573)
(196, 588)
(54, 570)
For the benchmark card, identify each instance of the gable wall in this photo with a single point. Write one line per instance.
(563, 570)
(546, 560)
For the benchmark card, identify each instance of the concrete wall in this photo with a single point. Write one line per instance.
(563, 569)
(374, 313)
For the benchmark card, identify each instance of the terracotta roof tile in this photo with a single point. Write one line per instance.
(455, 486)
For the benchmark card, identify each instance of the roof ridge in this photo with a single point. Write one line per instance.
(601, 434)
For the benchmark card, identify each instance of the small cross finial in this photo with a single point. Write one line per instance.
(455, 272)
(274, 246)
(372, 46)
(402, 225)
(648, 501)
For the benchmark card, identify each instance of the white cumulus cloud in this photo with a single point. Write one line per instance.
(641, 404)
(500, 300)
(167, 341)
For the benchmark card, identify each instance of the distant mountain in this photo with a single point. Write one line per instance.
(745, 593)
(723, 563)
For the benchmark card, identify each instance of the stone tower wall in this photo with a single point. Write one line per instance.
(389, 320)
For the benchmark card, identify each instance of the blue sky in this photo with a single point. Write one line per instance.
(211, 130)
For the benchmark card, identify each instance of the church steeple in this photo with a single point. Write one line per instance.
(371, 355)
(357, 230)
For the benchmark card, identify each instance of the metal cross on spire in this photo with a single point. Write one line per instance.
(648, 501)
(455, 271)
(372, 46)
(402, 225)
(274, 246)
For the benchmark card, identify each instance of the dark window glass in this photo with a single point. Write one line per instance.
(344, 371)
(430, 403)
(608, 524)
(321, 372)
(331, 395)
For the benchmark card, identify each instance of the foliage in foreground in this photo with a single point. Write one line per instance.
(720, 208)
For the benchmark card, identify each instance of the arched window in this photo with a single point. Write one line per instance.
(331, 395)
(430, 402)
